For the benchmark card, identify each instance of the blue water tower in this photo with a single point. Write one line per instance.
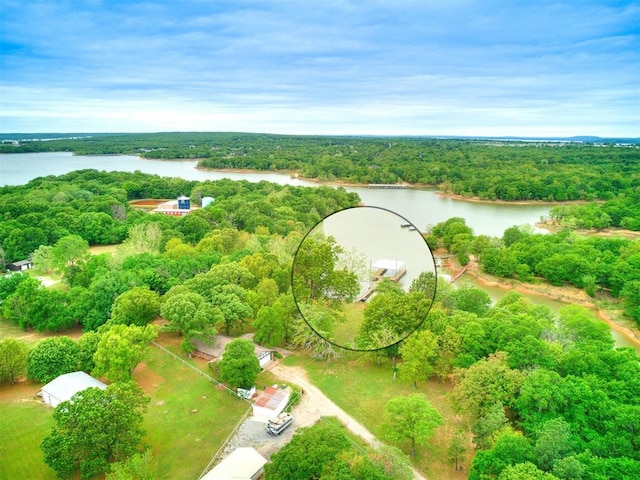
(184, 203)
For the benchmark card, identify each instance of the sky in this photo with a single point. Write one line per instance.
(369, 67)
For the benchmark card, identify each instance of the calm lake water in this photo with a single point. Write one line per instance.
(422, 207)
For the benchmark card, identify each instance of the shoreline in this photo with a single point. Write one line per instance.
(421, 186)
(568, 295)
(593, 232)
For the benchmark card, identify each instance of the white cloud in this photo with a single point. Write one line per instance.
(410, 67)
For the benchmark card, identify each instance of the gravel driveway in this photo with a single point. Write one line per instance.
(313, 405)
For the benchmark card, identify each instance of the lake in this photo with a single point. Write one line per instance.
(422, 207)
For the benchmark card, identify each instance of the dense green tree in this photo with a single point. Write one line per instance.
(553, 442)
(137, 306)
(306, 455)
(13, 359)
(231, 300)
(69, 253)
(316, 275)
(139, 466)
(510, 448)
(190, 315)
(43, 258)
(398, 313)
(120, 349)
(486, 426)
(87, 346)
(10, 283)
(93, 429)
(239, 365)
(52, 357)
(525, 471)
(630, 295)
(269, 327)
(410, 418)
(487, 382)
(471, 299)
(419, 352)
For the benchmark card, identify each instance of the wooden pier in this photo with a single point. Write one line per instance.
(397, 186)
(376, 278)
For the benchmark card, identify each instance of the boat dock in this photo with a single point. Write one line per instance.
(383, 270)
(397, 186)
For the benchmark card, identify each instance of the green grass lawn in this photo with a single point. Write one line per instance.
(188, 417)
(24, 422)
(361, 388)
(345, 333)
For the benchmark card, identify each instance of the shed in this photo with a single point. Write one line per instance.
(244, 463)
(271, 403)
(66, 386)
(20, 265)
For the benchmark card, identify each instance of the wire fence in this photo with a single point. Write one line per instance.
(196, 369)
(224, 444)
(220, 385)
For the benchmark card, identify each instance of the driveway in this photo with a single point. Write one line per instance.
(313, 405)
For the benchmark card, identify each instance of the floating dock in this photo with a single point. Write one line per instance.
(394, 270)
(396, 186)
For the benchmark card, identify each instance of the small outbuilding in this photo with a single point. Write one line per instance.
(66, 386)
(244, 463)
(20, 266)
(271, 403)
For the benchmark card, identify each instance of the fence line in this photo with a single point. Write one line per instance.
(193, 367)
(217, 454)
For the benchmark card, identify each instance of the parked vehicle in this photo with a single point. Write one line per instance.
(277, 425)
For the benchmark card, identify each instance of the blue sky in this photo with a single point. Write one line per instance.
(398, 67)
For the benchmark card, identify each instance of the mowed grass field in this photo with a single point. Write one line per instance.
(361, 388)
(24, 422)
(188, 417)
(187, 420)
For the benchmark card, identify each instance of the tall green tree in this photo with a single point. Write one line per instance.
(191, 315)
(69, 253)
(137, 306)
(419, 352)
(13, 359)
(239, 366)
(410, 418)
(306, 455)
(553, 443)
(486, 383)
(120, 349)
(95, 428)
(51, 358)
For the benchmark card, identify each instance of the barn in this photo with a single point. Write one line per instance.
(66, 386)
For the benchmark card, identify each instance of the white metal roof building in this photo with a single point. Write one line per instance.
(66, 386)
(244, 463)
